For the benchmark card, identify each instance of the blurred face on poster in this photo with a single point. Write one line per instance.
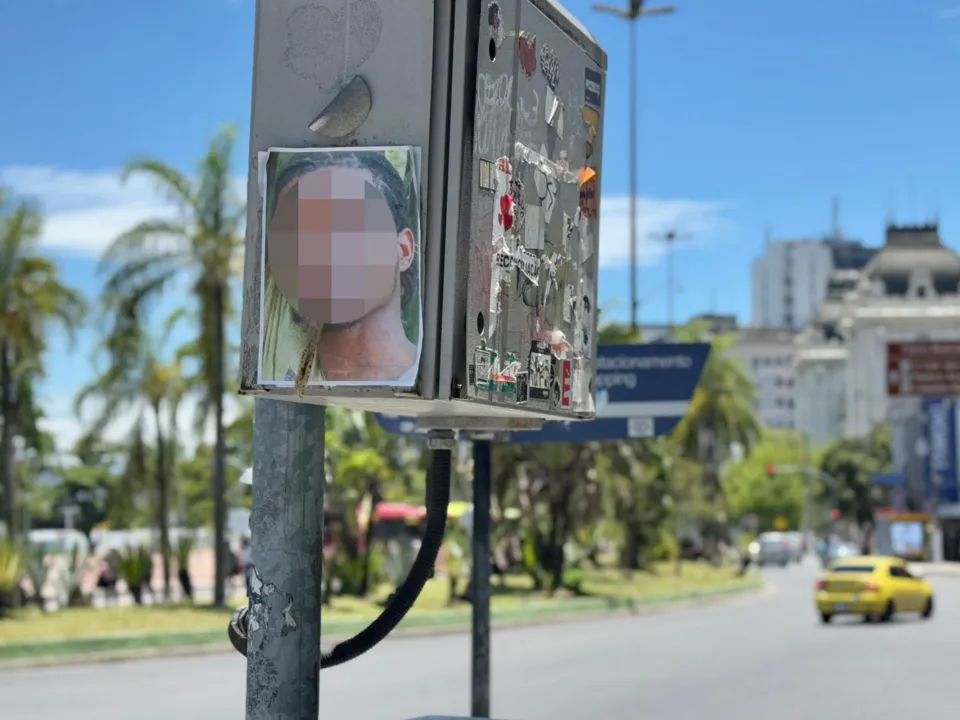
(342, 251)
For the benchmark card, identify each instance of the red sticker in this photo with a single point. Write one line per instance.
(528, 54)
(506, 212)
(566, 383)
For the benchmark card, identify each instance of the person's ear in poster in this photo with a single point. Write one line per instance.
(342, 246)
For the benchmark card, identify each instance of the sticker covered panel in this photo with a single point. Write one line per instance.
(531, 260)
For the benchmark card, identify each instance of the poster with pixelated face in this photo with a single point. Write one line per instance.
(340, 295)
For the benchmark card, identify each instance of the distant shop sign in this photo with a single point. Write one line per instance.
(923, 369)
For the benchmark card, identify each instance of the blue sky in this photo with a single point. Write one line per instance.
(752, 115)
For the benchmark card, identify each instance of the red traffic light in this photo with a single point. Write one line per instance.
(834, 514)
(771, 470)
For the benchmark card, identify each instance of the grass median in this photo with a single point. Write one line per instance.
(29, 635)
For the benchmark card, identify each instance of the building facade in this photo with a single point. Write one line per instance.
(909, 290)
(790, 280)
(768, 358)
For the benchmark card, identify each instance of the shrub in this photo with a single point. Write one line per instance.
(13, 567)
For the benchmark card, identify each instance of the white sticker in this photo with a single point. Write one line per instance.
(532, 230)
(553, 110)
(529, 264)
(568, 230)
(586, 245)
(569, 300)
(581, 385)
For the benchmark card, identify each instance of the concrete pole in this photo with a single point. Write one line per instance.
(286, 524)
(480, 645)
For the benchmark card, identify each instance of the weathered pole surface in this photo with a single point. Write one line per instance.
(283, 641)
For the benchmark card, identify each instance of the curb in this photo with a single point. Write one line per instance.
(130, 646)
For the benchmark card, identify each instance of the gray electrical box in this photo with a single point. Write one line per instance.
(423, 218)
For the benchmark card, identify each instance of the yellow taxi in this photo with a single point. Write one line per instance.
(873, 586)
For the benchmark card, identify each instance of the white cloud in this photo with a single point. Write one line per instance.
(87, 210)
(66, 428)
(655, 216)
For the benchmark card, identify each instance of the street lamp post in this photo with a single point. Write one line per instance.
(633, 13)
(670, 238)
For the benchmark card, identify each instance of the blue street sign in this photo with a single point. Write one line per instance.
(643, 391)
(941, 462)
(891, 479)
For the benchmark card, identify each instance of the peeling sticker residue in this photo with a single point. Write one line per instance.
(569, 299)
(591, 118)
(494, 111)
(260, 592)
(519, 203)
(503, 224)
(551, 265)
(495, 22)
(527, 47)
(289, 624)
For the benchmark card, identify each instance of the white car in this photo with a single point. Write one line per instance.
(771, 548)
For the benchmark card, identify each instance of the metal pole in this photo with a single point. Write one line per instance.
(286, 524)
(669, 263)
(634, 303)
(480, 666)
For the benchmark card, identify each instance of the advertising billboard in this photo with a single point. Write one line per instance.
(941, 463)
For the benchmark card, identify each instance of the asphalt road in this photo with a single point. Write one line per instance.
(758, 658)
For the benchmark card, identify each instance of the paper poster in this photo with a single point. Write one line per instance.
(340, 289)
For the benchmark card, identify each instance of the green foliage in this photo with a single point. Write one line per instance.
(749, 490)
(32, 298)
(135, 566)
(38, 570)
(346, 573)
(13, 567)
(851, 462)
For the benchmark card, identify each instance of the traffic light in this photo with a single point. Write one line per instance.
(834, 514)
(771, 470)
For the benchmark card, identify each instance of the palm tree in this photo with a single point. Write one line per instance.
(33, 296)
(721, 415)
(204, 245)
(138, 379)
(721, 411)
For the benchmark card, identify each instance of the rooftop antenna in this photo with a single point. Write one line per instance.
(836, 218)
